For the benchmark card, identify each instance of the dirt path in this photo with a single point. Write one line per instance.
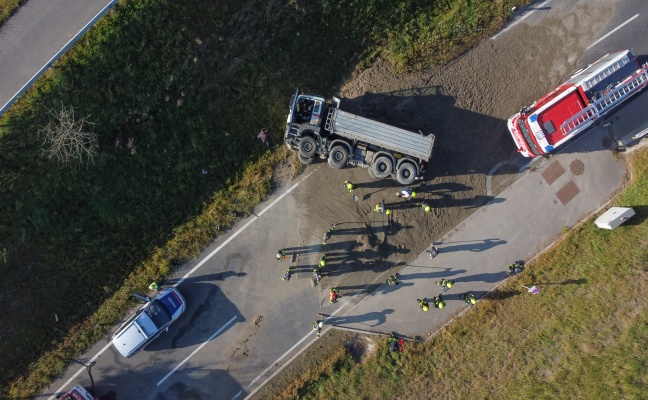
(465, 104)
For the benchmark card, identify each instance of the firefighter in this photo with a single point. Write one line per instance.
(380, 208)
(423, 304)
(406, 193)
(393, 342)
(334, 294)
(286, 276)
(469, 298)
(348, 185)
(438, 302)
(154, 286)
(322, 261)
(327, 235)
(281, 254)
(515, 268)
(445, 284)
(393, 280)
(426, 207)
(317, 327)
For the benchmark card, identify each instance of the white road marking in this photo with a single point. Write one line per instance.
(522, 18)
(238, 232)
(612, 31)
(53, 397)
(238, 395)
(196, 351)
(310, 334)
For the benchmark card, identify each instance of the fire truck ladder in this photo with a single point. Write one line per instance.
(605, 103)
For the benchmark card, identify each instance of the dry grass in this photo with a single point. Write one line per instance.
(583, 336)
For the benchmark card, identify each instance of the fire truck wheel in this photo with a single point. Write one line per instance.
(406, 173)
(382, 167)
(338, 157)
(305, 160)
(307, 146)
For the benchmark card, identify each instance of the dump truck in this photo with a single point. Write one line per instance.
(317, 128)
(574, 106)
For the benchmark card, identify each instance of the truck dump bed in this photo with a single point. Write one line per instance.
(399, 140)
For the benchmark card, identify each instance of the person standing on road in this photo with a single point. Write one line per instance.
(334, 294)
(469, 298)
(445, 284)
(380, 208)
(348, 185)
(393, 280)
(423, 304)
(434, 251)
(317, 327)
(286, 276)
(438, 302)
(322, 261)
(327, 235)
(281, 254)
(406, 193)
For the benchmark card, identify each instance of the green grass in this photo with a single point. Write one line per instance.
(174, 89)
(584, 335)
(8, 8)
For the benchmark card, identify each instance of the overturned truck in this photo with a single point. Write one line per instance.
(317, 128)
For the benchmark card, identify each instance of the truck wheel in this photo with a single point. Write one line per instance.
(305, 160)
(338, 157)
(307, 146)
(371, 173)
(382, 167)
(406, 173)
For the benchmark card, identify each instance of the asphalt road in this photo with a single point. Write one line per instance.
(244, 322)
(32, 36)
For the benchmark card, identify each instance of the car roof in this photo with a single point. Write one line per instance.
(130, 339)
(172, 300)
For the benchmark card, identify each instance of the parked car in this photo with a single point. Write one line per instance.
(77, 393)
(149, 321)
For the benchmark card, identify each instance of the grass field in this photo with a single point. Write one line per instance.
(583, 337)
(177, 92)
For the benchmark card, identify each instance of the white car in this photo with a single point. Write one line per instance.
(149, 321)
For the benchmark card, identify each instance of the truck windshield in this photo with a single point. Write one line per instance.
(527, 137)
(158, 314)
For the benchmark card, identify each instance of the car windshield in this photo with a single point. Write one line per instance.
(158, 314)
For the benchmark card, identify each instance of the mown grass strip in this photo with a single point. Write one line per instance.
(177, 92)
(583, 336)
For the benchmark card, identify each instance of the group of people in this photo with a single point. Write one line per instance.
(334, 293)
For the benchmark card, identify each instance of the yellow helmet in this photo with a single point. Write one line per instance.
(473, 300)
(388, 212)
(425, 307)
(427, 208)
(442, 304)
(449, 284)
(413, 194)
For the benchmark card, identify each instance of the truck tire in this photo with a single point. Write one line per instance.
(338, 157)
(371, 173)
(305, 160)
(307, 147)
(406, 173)
(382, 167)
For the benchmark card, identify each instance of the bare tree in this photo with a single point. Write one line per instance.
(65, 138)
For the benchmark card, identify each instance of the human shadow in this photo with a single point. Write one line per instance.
(444, 273)
(475, 246)
(379, 316)
(488, 277)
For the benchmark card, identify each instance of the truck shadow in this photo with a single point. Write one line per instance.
(466, 142)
